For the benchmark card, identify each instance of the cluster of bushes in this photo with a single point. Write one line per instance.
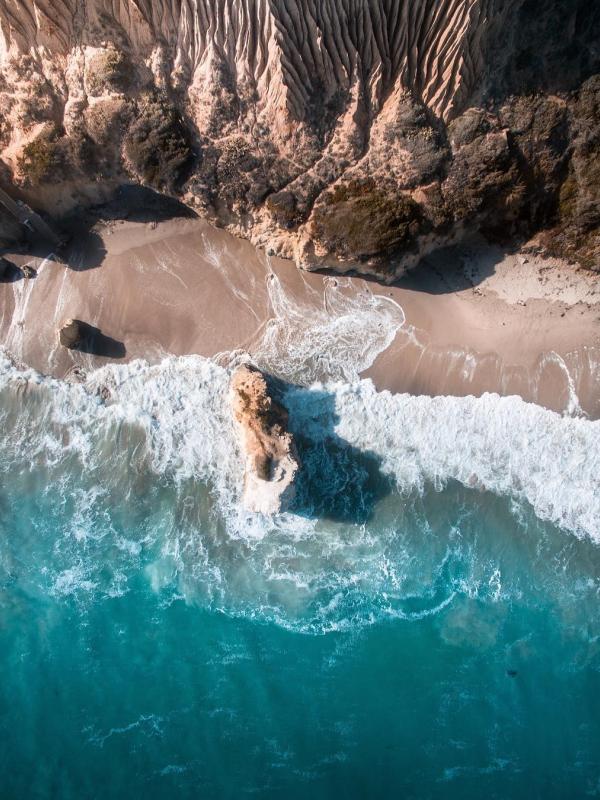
(360, 219)
(43, 159)
(158, 146)
(577, 233)
(234, 167)
(108, 70)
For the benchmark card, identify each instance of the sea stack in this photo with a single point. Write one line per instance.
(268, 446)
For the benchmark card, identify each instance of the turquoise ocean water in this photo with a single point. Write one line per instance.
(423, 624)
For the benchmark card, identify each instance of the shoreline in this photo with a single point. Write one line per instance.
(523, 325)
(476, 320)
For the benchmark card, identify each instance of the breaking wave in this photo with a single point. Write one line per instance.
(404, 504)
(340, 334)
(138, 468)
(177, 415)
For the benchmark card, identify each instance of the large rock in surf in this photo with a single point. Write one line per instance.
(271, 459)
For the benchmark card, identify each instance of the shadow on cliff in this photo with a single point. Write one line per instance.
(141, 204)
(336, 481)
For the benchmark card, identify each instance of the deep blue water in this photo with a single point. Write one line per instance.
(434, 633)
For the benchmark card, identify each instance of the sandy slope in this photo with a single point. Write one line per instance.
(285, 48)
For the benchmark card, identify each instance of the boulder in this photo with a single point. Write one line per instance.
(72, 333)
(269, 449)
(28, 271)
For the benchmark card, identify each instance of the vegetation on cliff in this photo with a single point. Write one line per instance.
(157, 145)
(43, 159)
(369, 136)
(361, 219)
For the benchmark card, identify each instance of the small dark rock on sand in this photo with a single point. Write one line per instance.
(28, 271)
(78, 335)
(73, 333)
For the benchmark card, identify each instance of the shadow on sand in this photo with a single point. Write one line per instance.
(82, 247)
(96, 343)
(132, 203)
(142, 204)
(455, 268)
(11, 272)
(449, 269)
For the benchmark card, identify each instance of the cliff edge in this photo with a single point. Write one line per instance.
(343, 133)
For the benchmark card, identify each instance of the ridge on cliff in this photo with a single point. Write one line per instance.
(337, 132)
(268, 447)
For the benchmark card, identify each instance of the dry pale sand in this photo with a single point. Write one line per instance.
(476, 320)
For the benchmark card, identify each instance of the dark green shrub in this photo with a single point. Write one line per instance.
(361, 219)
(108, 70)
(158, 145)
(42, 159)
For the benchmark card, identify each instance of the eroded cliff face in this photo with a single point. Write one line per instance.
(332, 131)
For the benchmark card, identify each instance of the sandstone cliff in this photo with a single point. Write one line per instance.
(333, 131)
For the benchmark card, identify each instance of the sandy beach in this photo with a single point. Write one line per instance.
(475, 319)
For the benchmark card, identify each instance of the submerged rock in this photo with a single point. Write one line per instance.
(271, 459)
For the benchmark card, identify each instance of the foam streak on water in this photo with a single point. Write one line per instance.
(339, 335)
(502, 445)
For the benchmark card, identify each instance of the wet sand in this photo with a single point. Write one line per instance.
(476, 320)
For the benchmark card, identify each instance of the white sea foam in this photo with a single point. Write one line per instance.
(149, 482)
(339, 334)
(173, 418)
(499, 444)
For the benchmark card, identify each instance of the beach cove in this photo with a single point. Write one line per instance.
(471, 320)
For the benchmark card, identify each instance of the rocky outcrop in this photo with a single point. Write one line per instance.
(268, 446)
(577, 230)
(279, 118)
(73, 333)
